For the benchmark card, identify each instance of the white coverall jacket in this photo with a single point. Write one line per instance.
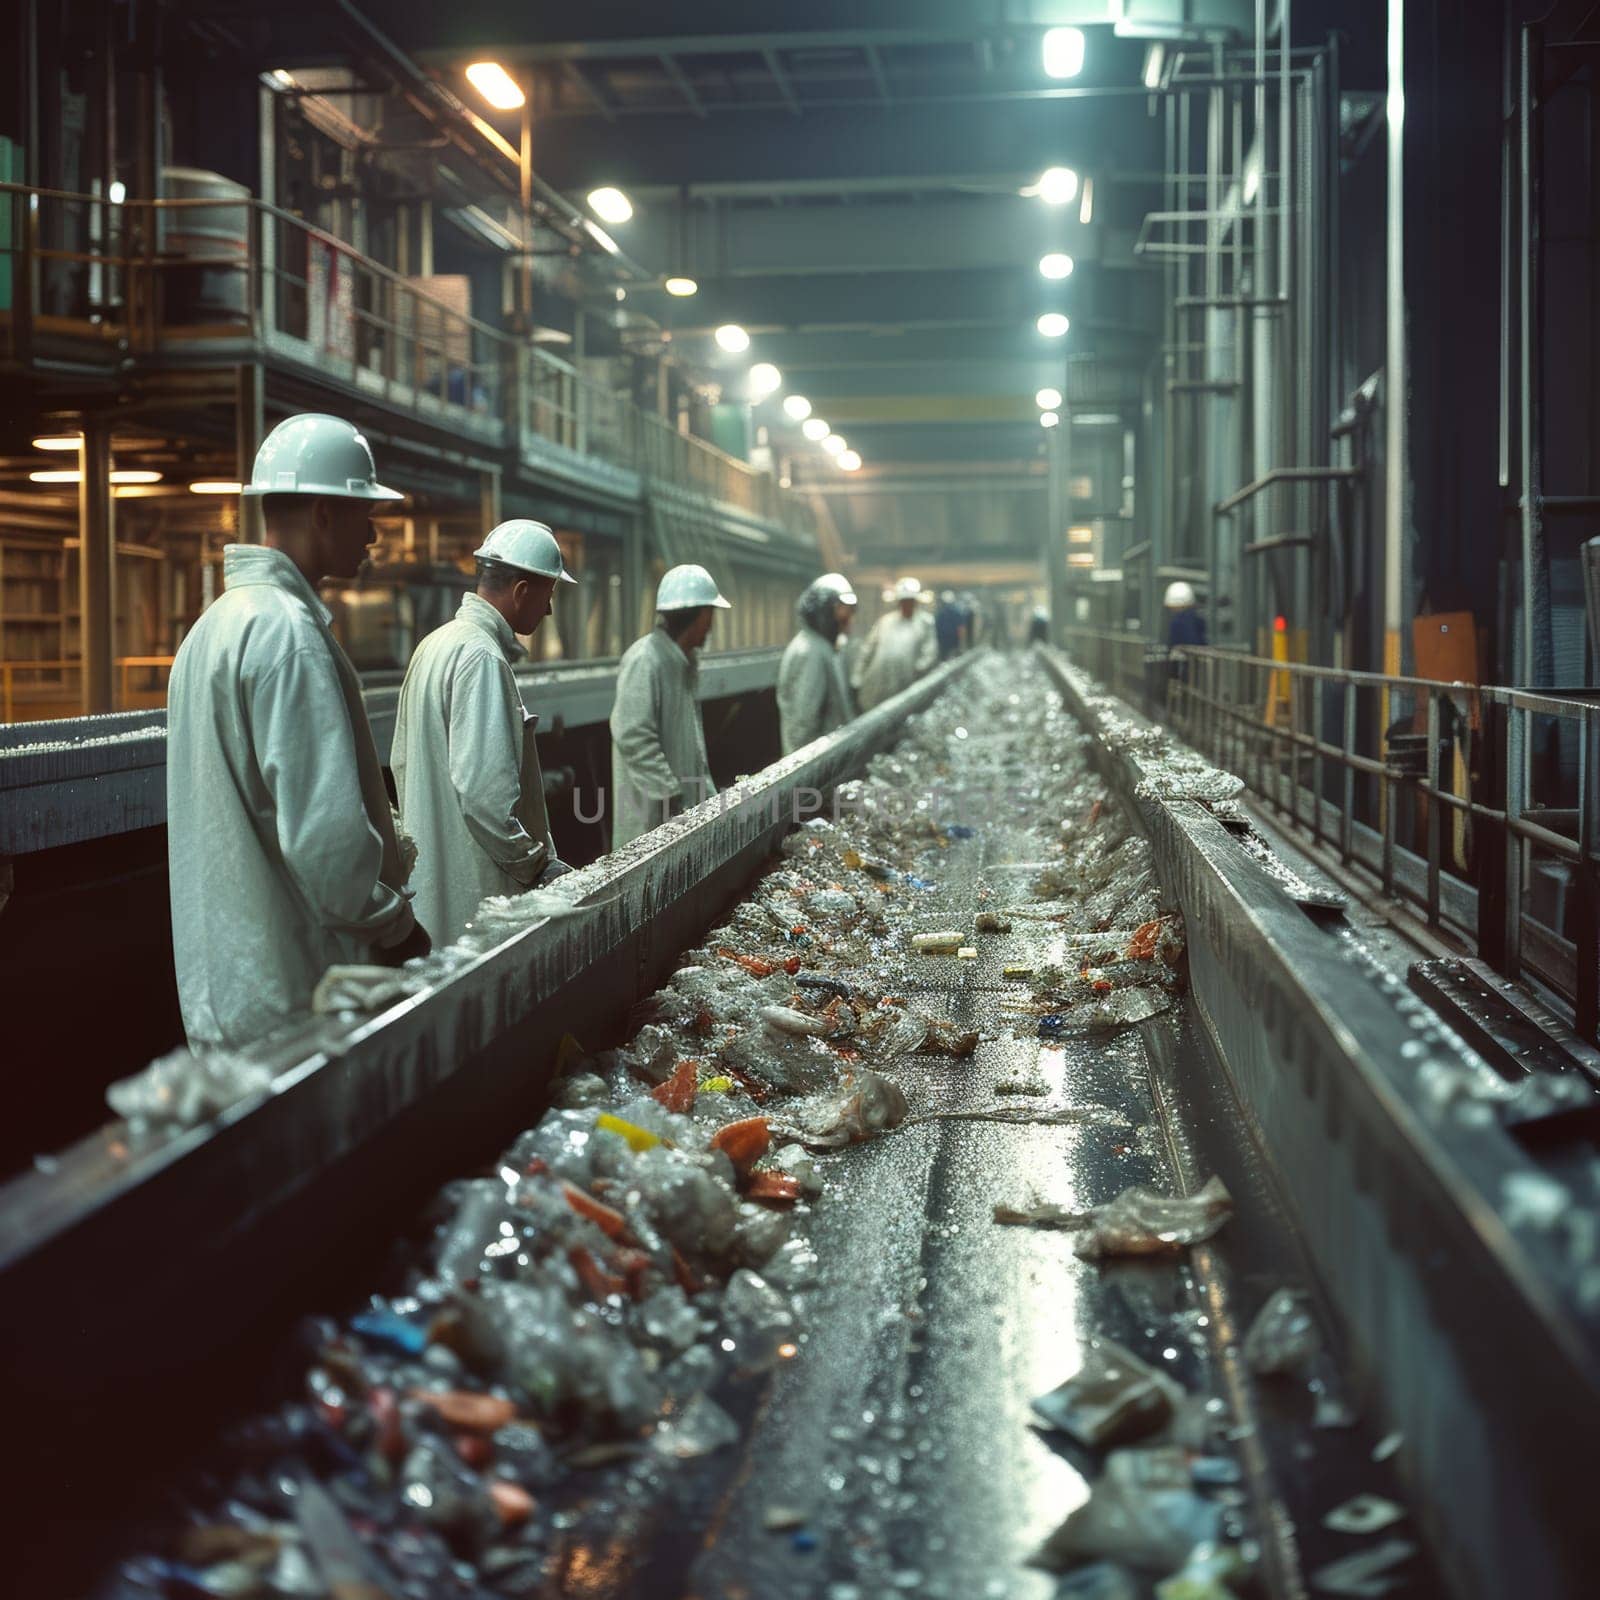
(281, 845)
(897, 652)
(659, 765)
(813, 698)
(466, 771)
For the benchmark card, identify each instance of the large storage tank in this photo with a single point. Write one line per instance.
(205, 249)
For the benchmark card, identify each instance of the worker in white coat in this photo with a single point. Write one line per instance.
(282, 851)
(901, 647)
(466, 766)
(813, 697)
(659, 765)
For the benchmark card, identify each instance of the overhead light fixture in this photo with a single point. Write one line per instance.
(1056, 265)
(1056, 186)
(1053, 325)
(1080, 558)
(1155, 56)
(72, 475)
(116, 191)
(1096, 419)
(681, 287)
(848, 461)
(1086, 208)
(1063, 52)
(1080, 535)
(1048, 399)
(815, 429)
(796, 407)
(214, 486)
(764, 380)
(732, 338)
(610, 205)
(496, 85)
(834, 445)
(1049, 419)
(57, 441)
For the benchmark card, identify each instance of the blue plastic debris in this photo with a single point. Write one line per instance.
(1053, 1024)
(1210, 1472)
(390, 1328)
(804, 1541)
(959, 830)
(920, 883)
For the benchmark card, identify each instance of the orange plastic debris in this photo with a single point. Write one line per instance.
(463, 1408)
(756, 966)
(677, 1093)
(685, 1274)
(597, 1283)
(744, 1143)
(474, 1449)
(773, 1188)
(512, 1503)
(608, 1220)
(1142, 946)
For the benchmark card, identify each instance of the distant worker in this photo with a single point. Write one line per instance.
(948, 622)
(466, 766)
(1185, 624)
(283, 857)
(813, 697)
(968, 602)
(659, 765)
(900, 648)
(1039, 626)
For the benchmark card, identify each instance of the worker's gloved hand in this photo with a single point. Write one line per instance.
(416, 943)
(556, 869)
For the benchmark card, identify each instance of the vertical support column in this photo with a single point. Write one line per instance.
(580, 410)
(1538, 653)
(248, 427)
(1395, 384)
(489, 498)
(97, 568)
(633, 575)
(1054, 552)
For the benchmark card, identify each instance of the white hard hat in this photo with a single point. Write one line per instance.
(687, 588)
(317, 454)
(1178, 594)
(527, 546)
(839, 585)
(907, 589)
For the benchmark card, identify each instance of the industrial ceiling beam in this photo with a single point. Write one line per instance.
(879, 76)
(680, 80)
(909, 142)
(590, 90)
(781, 79)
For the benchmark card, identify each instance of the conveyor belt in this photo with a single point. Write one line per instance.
(1471, 1335)
(69, 781)
(1469, 1302)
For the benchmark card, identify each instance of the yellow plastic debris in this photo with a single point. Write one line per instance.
(638, 1138)
(718, 1086)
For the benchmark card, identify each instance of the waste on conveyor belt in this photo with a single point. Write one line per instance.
(583, 1320)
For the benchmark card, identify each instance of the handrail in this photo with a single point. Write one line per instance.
(1283, 475)
(408, 339)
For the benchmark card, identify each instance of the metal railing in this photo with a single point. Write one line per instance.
(1479, 806)
(218, 278)
(59, 681)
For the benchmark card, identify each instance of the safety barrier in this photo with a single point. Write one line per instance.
(1476, 805)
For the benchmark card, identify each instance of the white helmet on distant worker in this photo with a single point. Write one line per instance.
(836, 584)
(528, 546)
(687, 588)
(1178, 596)
(907, 589)
(313, 453)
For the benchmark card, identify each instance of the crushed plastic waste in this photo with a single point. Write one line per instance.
(1368, 1574)
(1284, 1338)
(183, 1089)
(1099, 1580)
(354, 989)
(1142, 1512)
(1112, 1398)
(1212, 1572)
(1139, 1222)
(1366, 1513)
